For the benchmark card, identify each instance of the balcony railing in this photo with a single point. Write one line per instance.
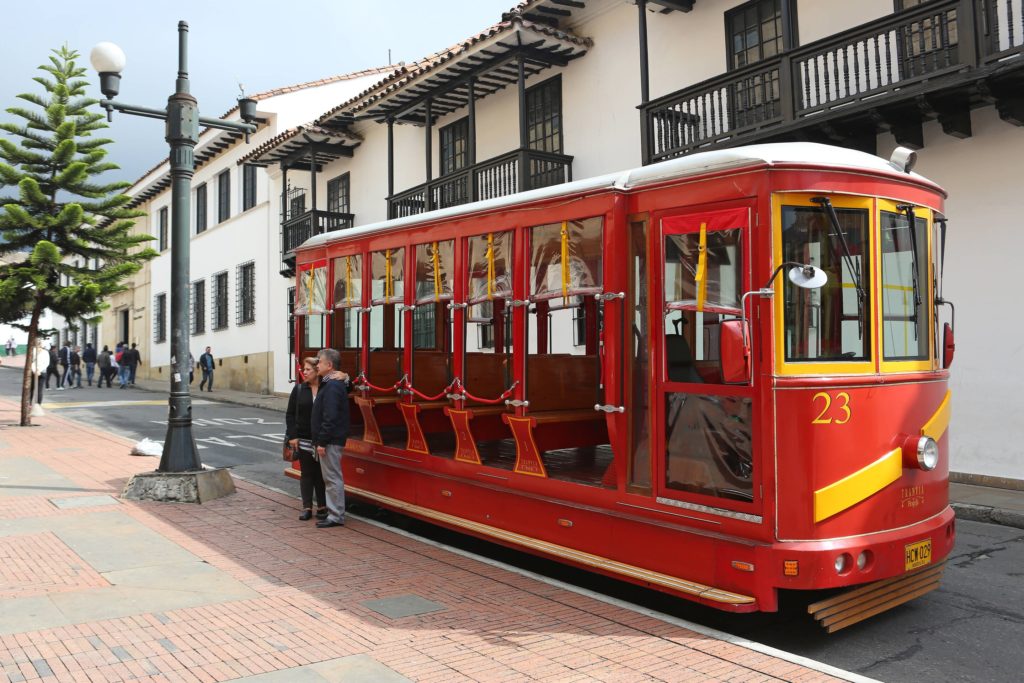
(296, 230)
(515, 171)
(863, 67)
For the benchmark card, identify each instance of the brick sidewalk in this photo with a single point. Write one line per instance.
(97, 589)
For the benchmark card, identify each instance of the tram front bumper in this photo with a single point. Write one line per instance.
(838, 562)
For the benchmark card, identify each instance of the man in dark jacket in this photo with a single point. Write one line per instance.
(65, 366)
(329, 430)
(133, 359)
(52, 368)
(89, 358)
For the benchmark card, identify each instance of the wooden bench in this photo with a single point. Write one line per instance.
(524, 431)
(465, 442)
(366, 404)
(416, 441)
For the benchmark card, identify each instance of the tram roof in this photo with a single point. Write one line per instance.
(773, 154)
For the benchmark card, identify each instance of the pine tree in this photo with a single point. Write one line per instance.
(62, 213)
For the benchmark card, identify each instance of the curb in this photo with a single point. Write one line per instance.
(990, 515)
(252, 403)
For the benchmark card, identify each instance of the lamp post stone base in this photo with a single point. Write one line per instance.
(200, 486)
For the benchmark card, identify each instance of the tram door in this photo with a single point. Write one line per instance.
(705, 450)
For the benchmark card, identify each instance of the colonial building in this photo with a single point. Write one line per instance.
(569, 89)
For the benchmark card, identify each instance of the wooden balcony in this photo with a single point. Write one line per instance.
(298, 228)
(936, 61)
(515, 171)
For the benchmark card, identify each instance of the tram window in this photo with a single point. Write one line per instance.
(313, 326)
(386, 337)
(565, 272)
(488, 318)
(708, 445)
(693, 318)
(829, 323)
(640, 462)
(904, 297)
(348, 289)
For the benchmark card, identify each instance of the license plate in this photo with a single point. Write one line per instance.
(917, 554)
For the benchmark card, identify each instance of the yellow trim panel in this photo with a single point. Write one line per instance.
(858, 486)
(580, 557)
(939, 422)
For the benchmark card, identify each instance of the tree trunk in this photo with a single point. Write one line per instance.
(30, 354)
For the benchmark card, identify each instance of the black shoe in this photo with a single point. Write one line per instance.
(306, 516)
(322, 513)
(327, 524)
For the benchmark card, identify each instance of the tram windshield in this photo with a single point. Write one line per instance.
(830, 323)
(904, 287)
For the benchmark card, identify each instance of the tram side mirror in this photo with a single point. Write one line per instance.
(734, 351)
(948, 345)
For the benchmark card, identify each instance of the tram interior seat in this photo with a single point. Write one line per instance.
(679, 360)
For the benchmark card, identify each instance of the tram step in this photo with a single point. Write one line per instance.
(858, 604)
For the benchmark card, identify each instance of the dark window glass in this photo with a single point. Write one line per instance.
(223, 196)
(544, 116)
(830, 323)
(198, 307)
(454, 140)
(248, 186)
(219, 314)
(290, 318)
(160, 319)
(338, 195)
(755, 32)
(424, 327)
(200, 208)
(245, 290)
(162, 222)
(708, 445)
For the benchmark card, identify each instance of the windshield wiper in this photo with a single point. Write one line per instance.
(908, 209)
(830, 211)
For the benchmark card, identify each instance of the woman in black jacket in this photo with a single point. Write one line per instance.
(297, 434)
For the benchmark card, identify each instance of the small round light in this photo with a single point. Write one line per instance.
(843, 563)
(863, 560)
(927, 453)
(107, 58)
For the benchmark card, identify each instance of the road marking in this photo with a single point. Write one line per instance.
(104, 404)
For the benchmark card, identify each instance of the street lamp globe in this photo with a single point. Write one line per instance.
(108, 59)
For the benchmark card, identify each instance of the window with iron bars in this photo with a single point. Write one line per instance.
(160, 318)
(544, 116)
(198, 307)
(338, 194)
(219, 299)
(245, 294)
(454, 140)
(424, 329)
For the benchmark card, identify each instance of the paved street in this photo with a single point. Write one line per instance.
(956, 633)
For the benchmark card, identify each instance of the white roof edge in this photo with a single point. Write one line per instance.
(810, 153)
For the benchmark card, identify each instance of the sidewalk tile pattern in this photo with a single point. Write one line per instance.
(309, 589)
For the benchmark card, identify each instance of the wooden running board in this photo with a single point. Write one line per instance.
(856, 605)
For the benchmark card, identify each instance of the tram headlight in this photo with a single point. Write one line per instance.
(927, 453)
(843, 563)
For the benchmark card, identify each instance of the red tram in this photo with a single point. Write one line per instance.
(720, 376)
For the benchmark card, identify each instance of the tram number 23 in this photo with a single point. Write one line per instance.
(831, 409)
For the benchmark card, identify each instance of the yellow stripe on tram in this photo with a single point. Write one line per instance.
(858, 486)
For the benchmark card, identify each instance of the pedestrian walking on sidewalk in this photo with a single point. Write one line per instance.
(75, 378)
(121, 356)
(106, 363)
(65, 366)
(133, 360)
(40, 363)
(89, 358)
(53, 367)
(10, 346)
(206, 364)
(330, 428)
(191, 367)
(298, 421)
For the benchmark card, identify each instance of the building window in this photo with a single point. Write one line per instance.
(544, 116)
(224, 196)
(291, 332)
(907, 4)
(219, 299)
(424, 328)
(198, 307)
(160, 318)
(759, 30)
(338, 200)
(248, 187)
(162, 223)
(200, 208)
(245, 291)
(454, 142)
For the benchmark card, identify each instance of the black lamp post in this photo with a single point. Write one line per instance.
(183, 121)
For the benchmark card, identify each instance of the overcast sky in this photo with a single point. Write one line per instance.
(258, 43)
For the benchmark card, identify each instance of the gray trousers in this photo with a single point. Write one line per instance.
(334, 483)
